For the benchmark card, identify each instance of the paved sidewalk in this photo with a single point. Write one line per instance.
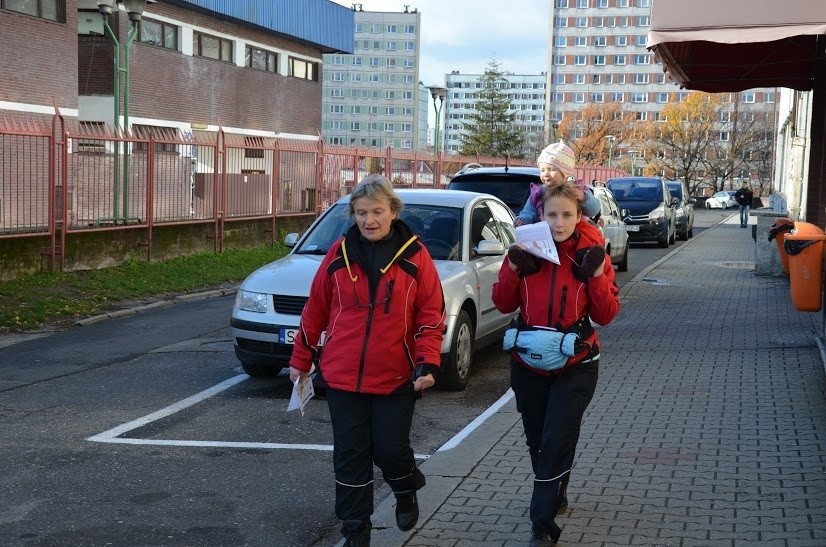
(708, 426)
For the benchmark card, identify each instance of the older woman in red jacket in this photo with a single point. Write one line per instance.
(565, 296)
(378, 296)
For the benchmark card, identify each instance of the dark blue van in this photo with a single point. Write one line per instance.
(651, 208)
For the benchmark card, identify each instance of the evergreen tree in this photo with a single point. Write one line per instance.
(490, 129)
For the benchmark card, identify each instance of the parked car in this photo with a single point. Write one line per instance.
(510, 184)
(722, 200)
(613, 227)
(466, 234)
(650, 205)
(684, 212)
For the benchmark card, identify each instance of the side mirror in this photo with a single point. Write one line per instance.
(489, 248)
(692, 200)
(291, 239)
(675, 202)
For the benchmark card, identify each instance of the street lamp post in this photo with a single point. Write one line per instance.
(134, 8)
(439, 94)
(610, 149)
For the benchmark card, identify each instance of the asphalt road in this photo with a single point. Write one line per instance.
(143, 430)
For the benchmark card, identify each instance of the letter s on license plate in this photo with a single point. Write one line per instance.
(286, 335)
(632, 228)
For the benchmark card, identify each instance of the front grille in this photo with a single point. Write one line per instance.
(279, 351)
(288, 305)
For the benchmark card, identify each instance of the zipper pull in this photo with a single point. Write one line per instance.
(389, 293)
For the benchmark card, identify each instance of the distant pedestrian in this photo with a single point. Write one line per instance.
(378, 297)
(566, 297)
(556, 165)
(744, 197)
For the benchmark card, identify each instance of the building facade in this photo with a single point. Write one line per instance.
(373, 97)
(194, 65)
(526, 93)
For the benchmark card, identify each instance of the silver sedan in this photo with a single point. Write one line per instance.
(467, 235)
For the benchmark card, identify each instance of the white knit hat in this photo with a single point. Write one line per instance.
(560, 156)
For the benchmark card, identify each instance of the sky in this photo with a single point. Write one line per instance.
(465, 35)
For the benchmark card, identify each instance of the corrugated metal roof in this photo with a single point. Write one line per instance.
(321, 23)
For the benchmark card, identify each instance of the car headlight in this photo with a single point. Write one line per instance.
(251, 301)
(657, 214)
(680, 213)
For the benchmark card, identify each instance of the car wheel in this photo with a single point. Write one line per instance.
(663, 241)
(672, 239)
(455, 369)
(683, 235)
(708, 205)
(260, 371)
(623, 265)
(690, 232)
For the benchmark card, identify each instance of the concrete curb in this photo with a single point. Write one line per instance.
(160, 303)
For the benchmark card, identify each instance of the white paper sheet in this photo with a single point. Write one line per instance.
(538, 240)
(303, 391)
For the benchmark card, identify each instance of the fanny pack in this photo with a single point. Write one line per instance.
(544, 348)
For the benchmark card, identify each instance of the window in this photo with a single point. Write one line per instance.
(748, 96)
(602, 3)
(212, 47)
(642, 59)
(390, 111)
(643, 3)
(640, 78)
(769, 97)
(53, 10)
(355, 126)
(620, 78)
(389, 94)
(257, 142)
(408, 63)
(725, 117)
(622, 3)
(392, 46)
(662, 98)
(639, 97)
(582, 4)
(579, 60)
(337, 76)
(619, 59)
(375, 61)
(558, 97)
(337, 109)
(373, 78)
(641, 116)
(410, 46)
(623, 22)
(597, 22)
(307, 70)
(158, 34)
(599, 60)
(597, 97)
(595, 79)
(389, 127)
(579, 97)
(640, 40)
(560, 41)
(559, 79)
(643, 20)
(580, 41)
(560, 22)
(91, 146)
(358, 61)
(600, 41)
(407, 128)
(392, 29)
(390, 61)
(337, 92)
(559, 60)
(579, 79)
(407, 95)
(410, 29)
(356, 76)
(338, 124)
(261, 59)
(581, 22)
(621, 41)
(618, 97)
(335, 59)
(159, 134)
(561, 3)
(723, 136)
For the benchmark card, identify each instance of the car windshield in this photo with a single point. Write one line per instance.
(636, 190)
(439, 228)
(676, 190)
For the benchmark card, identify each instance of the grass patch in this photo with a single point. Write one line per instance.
(60, 299)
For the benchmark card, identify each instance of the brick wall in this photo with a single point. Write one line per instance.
(38, 59)
(169, 85)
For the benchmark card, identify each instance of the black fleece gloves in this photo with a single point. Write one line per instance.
(527, 263)
(590, 259)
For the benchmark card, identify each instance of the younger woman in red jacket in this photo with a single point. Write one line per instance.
(567, 297)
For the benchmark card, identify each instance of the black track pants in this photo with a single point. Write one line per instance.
(552, 408)
(370, 429)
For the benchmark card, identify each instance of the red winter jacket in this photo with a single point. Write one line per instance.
(555, 297)
(372, 348)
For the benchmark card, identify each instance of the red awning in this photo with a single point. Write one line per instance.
(732, 45)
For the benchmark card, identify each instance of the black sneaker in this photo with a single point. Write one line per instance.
(543, 538)
(358, 539)
(407, 511)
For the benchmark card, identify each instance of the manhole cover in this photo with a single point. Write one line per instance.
(738, 265)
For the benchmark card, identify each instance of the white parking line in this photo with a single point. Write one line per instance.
(114, 435)
(480, 419)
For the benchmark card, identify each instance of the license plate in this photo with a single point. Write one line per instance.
(632, 228)
(287, 336)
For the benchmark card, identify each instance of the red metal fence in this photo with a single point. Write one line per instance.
(59, 176)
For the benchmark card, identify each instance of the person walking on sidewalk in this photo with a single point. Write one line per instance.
(744, 197)
(566, 297)
(378, 296)
(556, 165)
